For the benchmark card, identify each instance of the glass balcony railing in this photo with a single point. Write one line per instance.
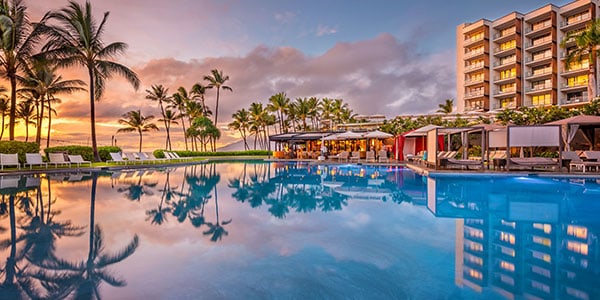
(575, 20)
(538, 88)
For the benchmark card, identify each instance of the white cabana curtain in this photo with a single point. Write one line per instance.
(570, 134)
(526, 136)
(497, 139)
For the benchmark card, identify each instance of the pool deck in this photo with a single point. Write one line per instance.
(417, 168)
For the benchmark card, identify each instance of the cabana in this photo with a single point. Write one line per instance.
(437, 160)
(580, 131)
(412, 142)
(533, 136)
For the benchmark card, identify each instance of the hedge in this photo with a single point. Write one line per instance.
(85, 151)
(183, 153)
(19, 147)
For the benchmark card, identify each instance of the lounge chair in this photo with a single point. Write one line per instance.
(9, 160)
(575, 162)
(171, 156)
(78, 160)
(370, 156)
(182, 158)
(34, 159)
(149, 157)
(592, 155)
(9, 182)
(58, 159)
(383, 156)
(533, 162)
(116, 158)
(131, 157)
(355, 156)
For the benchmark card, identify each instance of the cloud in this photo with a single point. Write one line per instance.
(377, 76)
(323, 30)
(285, 17)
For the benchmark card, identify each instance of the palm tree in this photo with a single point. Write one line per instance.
(179, 101)
(217, 80)
(19, 39)
(4, 108)
(26, 111)
(586, 44)
(280, 104)
(41, 78)
(327, 111)
(446, 107)
(197, 93)
(160, 94)
(78, 41)
(169, 117)
(302, 109)
(241, 122)
(136, 122)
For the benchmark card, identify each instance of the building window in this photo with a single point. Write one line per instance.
(475, 247)
(577, 247)
(577, 231)
(542, 241)
(578, 17)
(541, 271)
(545, 69)
(541, 40)
(475, 36)
(540, 100)
(541, 256)
(542, 54)
(505, 88)
(541, 84)
(475, 233)
(578, 65)
(508, 59)
(540, 286)
(547, 228)
(510, 73)
(508, 45)
(508, 102)
(474, 259)
(508, 31)
(507, 237)
(541, 24)
(475, 274)
(504, 265)
(577, 97)
(577, 81)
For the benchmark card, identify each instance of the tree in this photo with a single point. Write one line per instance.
(4, 108)
(77, 41)
(19, 39)
(136, 122)
(160, 94)
(179, 101)
(217, 80)
(170, 117)
(241, 122)
(302, 111)
(586, 44)
(197, 93)
(280, 104)
(42, 79)
(26, 111)
(446, 107)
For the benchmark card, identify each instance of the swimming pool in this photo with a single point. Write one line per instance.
(256, 230)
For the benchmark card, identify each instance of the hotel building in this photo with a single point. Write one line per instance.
(517, 60)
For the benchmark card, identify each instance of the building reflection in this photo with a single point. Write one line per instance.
(523, 237)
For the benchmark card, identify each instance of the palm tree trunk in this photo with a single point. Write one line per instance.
(13, 105)
(92, 215)
(2, 130)
(38, 138)
(184, 133)
(162, 111)
(26, 130)
(217, 107)
(49, 124)
(140, 132)
(93, 115)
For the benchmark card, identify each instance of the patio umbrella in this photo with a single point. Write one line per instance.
(377, 135)
(350, 135)
(331, 137)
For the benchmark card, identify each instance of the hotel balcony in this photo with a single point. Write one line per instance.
(574, 22)
(564, 54)
(474, 67)
(504, 52)
(499, 80)
(473, 54)
(574, 87)
(538, 61)
(574, 100)
(505, 93)
(470, 82)
(506, 64)
(573, 72)
(474, 95)
(531, 32)
(473, 41)
(500, 38)
(539, 75)
(538, 44)
(540, 89)
(501, 106)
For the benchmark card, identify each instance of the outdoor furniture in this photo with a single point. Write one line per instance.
(534, 162)
(9, 160)
(58, 159)
(355, 156)
(383, 156)
(78, 160)
(343, 156)
(131, 157)
(370, 157)
(116, 158)
(34, 159)
(150, 156)
(592, 155)
(575, 162)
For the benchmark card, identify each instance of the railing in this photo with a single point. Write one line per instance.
(575, 100)
(470, 81)
(475, 94)
(474, 53)
(539, 57)
(498, 49)
(505, 34)
(473, 40)
(505, 91)
(498, 78)
(575, 70)
(500, 106)
(574, 85)
(533, 28)
(538, 42)
(474, 67)
(504, 62)
(539, 73)
(538, 88)
(575, 20)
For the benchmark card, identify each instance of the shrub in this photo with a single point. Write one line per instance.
(19, 147)
(183, 153)
(85, 151)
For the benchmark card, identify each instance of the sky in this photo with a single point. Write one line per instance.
(390, 57)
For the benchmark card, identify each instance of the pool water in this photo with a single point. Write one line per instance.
(257, 230)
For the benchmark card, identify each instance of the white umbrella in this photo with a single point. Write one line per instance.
(350, 135)
(331, 137)
(377, 135)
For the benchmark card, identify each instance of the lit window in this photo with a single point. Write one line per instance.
(507, 237)
(577, 247)
(475, 274)
(578, 65)
(510, 73)
(547, 228)
(507, 266)
(542, 241)
(540, 286)
(508, 45)
(540, 100)
(577, 231)
(577, 81)
(541, 256)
